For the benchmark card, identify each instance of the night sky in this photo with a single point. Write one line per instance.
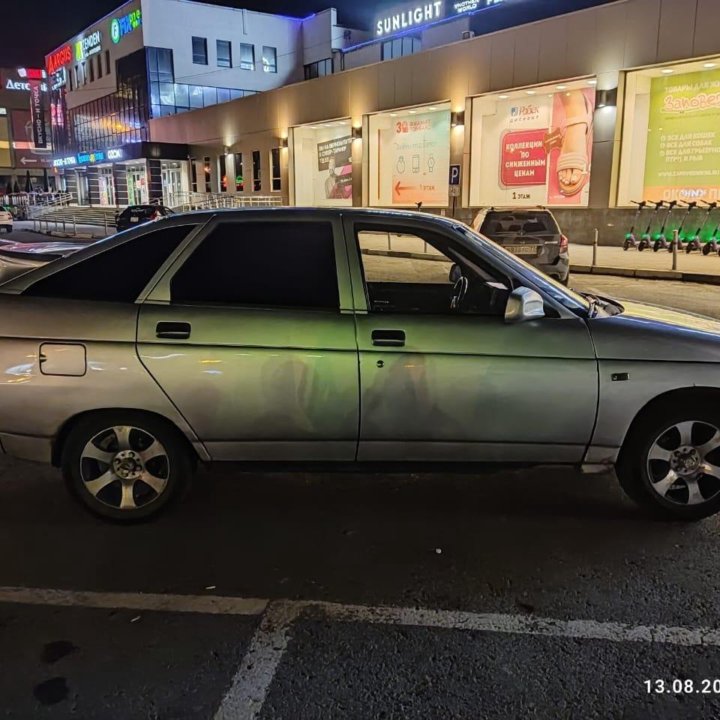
(32, 28)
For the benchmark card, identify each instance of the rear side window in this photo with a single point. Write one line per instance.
(525, 223)
(119, 274)
(266, 264)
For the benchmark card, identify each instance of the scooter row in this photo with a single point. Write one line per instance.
(664, 218)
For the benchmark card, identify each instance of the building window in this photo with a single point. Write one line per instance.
(91, 67)
(99, 72)
(275, 168)
(224, 53)
(257, 172)
(208, 176)
(321, 68)
(70, 79)
(107, 62)
(199, 50)
(222, 167)
(193, 175)
(239, 173)
(269, 58)
(399, 47)
(247, 56)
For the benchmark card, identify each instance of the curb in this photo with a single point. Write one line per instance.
(640, 273)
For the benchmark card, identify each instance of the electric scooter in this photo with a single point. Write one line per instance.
(694, 242)
(690, 207)
(710, 245)
(659, 237)
(646, 239)
(630, 239)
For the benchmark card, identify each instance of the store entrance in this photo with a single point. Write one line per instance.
(171, 183)
(137, 185)
(83, 189)
(107, 186)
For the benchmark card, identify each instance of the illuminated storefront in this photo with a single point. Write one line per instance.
(409, 156)
(533, 146)
(322, 158)
(671, 136)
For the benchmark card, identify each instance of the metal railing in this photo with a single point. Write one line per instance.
(183, 202)
(49, 203)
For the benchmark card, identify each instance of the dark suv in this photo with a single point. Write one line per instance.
(138, 214)
(532, 234)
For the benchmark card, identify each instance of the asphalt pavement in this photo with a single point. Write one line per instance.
(534, 593)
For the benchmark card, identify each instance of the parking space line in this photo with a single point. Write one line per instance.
(521, 624)
(204, 604)
(250, 686)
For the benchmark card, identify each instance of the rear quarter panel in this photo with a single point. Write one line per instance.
(37, 405)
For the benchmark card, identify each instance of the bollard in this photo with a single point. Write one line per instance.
(389, 244)
(105, 219)
(595, 247)
(74, 227)
(64, 228)
(676, 240)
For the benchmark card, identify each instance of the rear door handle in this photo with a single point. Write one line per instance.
(173, 330)
(388, 338)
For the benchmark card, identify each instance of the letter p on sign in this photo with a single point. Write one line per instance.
(454, 175)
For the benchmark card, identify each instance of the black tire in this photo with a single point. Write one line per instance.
(633, 466)
(706, 249)
(174, 469)
(657, 245)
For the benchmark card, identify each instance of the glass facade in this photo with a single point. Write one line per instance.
(169, 98)
(399, 47)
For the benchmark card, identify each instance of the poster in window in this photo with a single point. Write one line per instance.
(335, 166)
(683, 151)
(27, 154)
(539, 149)
(419, 150)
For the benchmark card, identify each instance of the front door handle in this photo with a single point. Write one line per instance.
(388, 338)
(173, 330)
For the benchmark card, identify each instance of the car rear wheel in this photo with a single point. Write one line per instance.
(671, 464)
(125, 466)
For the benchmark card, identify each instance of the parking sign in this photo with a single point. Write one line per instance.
(454, 175)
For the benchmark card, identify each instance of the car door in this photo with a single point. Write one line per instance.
(251, 334)
(455, 386)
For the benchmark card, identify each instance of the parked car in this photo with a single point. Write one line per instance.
(6, 220)
(139, 214)
(287, 335)
(17, 258)
(533, 234)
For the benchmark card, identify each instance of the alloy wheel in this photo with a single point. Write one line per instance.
(683, 463)
(125, 468)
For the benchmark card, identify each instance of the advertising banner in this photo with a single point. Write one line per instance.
(683, 150)
(37, 108)
(419, 155)
(335, 166)
(536, 151)
(27, 155)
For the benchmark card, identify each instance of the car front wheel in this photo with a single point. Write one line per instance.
(125, 466)
(671, 464)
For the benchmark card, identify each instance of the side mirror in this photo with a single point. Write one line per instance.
(455, 273)
(523, 305)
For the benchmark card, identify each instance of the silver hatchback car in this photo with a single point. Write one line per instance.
(296, 335)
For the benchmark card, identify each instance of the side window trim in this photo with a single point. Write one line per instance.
(170, 261)
(161, 295)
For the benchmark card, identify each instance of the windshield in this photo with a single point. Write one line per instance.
(566, 297)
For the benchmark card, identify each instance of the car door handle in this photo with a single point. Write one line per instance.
(173, 330)
(388, 338)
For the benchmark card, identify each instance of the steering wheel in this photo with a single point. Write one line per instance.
(459, 292)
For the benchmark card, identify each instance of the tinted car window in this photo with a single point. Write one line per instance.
(119, 274)
(527, 223)
(270, 264)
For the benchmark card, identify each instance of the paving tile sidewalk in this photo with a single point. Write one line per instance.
(695, 267)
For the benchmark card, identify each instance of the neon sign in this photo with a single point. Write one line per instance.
(122, 26)
(61, 57)
(88, 46)
(424, 13)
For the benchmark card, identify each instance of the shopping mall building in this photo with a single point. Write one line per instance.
(579, 105)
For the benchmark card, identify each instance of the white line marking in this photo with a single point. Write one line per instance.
(521, 624)
(290, 610)
(246, 696)
(205, 604)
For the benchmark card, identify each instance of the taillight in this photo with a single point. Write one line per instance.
(564, 242)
